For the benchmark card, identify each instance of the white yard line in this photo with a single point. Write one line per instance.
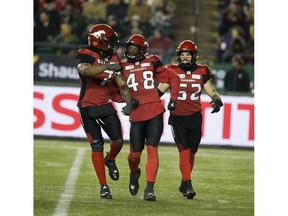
(67, 194)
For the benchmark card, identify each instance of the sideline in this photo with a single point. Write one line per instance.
(67, 194)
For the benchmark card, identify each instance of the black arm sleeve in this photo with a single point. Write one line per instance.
(206, 78)
(84, 59)
(157, 64)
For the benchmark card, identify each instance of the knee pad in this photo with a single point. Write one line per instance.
(97, 145)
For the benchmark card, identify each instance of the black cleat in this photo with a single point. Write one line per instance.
(105, 192)
(181, 188)
(187, 189)
(149, 195)
(134, 184)
(113, 170)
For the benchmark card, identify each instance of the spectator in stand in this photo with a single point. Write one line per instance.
(140, 8)
(84, 35)
(237, 79)
(121, 30)
(50, 6)
(249, 55)
(160, 45)
(72, 15)
(237, 48)
(231, 16)
(45, 30)
(225, 41)
(117, 8)
(161, 16)
(61, 4)
(65, 41)
(94, 11)
(135, 27)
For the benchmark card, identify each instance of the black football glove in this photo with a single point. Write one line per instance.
(126, 110)
(172, 105)
(135, 103)
(216, 105)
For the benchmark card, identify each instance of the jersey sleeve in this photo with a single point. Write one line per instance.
(165, 75)
(207, 74)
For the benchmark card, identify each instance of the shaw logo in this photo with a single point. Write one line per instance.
(54, 71)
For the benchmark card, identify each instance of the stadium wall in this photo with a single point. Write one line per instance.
(56, 115)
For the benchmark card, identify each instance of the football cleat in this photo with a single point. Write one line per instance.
(149, 195)
(187, 189)
(134, 184)
(113, 170)
(181, 188)
(105, 192)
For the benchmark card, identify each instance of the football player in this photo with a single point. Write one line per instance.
(141, 72)
(99, 68)
(186, 119)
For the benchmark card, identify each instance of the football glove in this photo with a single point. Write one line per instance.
(135, 103)
(126, 110)
(217, 104)
(172, 105)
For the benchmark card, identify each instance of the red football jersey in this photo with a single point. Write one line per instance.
(140, 77)
(95, 90)
(190, 90)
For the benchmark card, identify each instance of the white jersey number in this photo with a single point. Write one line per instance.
(147, 77)
(194, 96)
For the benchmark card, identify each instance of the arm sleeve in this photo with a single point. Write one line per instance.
(206, 78)
(207, 74)
(83, 58)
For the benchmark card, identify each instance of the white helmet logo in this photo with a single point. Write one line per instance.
(98, 33)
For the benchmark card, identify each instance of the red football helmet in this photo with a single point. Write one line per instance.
(141, 43)
(187, 46)
(103, 37)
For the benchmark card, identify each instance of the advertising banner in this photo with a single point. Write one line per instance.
(55, 69)
(56, 115)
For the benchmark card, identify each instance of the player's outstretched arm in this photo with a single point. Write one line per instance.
(86, 69)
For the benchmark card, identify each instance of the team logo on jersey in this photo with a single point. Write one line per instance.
(145, 64)
(188, 72)
(129, 67)
(196, 76)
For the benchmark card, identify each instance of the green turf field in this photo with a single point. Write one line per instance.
(65, 183)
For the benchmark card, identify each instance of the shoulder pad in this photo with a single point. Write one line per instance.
(153, 57)
(86, 51)
(172, 65)
(206, 70)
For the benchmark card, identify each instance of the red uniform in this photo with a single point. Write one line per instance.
(191, 86)
(140, 78)
(94, 90)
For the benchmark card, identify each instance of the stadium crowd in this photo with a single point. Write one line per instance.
(63, 24)
(236, 31)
